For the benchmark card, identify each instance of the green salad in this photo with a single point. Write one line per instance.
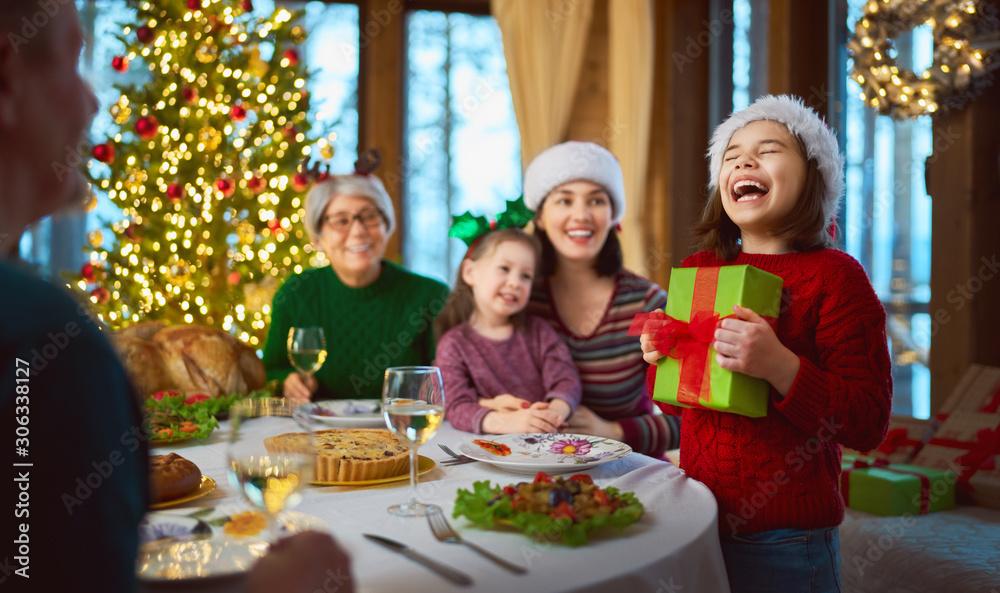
(555, 509)
(175, 416)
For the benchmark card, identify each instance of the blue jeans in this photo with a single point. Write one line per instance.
(792, 560)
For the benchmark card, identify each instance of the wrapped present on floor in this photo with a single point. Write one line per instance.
(977, 391)
(968, 443)
(697, 299)
(905, 438)
(889, 489)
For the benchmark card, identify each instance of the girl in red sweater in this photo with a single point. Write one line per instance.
(776, 180)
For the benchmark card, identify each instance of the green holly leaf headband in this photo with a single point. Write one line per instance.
(471, 228)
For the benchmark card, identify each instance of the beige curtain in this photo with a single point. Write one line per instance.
(543, 41)
(631, 44)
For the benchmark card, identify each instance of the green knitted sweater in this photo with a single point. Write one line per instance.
(385, 324)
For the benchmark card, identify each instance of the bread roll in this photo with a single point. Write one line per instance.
(171, 476)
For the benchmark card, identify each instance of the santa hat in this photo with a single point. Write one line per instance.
(803, 123)
(575, 161)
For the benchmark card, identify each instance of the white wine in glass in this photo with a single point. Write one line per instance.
(413, 407)
(306, 349)
(270, 476)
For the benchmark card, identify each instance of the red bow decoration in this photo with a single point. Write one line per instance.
(675, 338)
(982, 455)
(898, 437)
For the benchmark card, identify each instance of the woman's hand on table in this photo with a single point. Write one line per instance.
(303, 563)
(585, 421)
(298, 390)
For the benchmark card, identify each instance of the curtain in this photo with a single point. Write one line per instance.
(631, 43)
(544, 43)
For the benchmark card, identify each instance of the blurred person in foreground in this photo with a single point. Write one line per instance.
(79, 458)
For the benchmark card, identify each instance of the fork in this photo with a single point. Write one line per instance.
(444, 532)
(458, 459)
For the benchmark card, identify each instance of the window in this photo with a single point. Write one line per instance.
(887, 221)
(462, 147)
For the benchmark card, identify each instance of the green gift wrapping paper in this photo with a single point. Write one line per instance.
(698, 381)
(893, 490)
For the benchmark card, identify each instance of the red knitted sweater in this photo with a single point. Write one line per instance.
(782, 470)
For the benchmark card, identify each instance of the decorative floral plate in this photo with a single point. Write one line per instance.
(347, 413)
(198, 543)
(552, 453)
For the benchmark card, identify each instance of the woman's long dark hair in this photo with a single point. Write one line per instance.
(461, 303)
(608, 263)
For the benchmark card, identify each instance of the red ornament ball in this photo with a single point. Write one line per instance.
(300, 182)
(292, 56)
(225, 186)
(257, 184)
(275, 225)
(104, 152)
(247, 6)
(233, 278)
(194, 4)
(103, 295)
(238, 113)
(145, 34)
(87, 271)
(132, 232)
(190, 94)
(290, 132)
(175, 192)
(120, 63)
(147, 127)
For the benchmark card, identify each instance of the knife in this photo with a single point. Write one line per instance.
(459, 578)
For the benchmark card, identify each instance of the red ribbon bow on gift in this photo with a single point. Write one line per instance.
(896, 438)
(675, 338)
(982, 455)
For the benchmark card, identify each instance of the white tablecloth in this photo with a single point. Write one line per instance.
(674, 547)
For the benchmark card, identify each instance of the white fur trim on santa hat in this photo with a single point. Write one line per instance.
(805, 124)
(574, 161)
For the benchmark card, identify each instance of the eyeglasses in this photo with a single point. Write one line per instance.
(341, 221)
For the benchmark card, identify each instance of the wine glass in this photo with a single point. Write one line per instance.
(306, 349)
(271, 454)
(413, 406)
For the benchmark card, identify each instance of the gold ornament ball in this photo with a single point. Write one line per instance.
(95, 238)
(180, 272)
(89, 202)
(326, 151)
(120, 113)
(206, 53)
(210, 137)
(246, 233)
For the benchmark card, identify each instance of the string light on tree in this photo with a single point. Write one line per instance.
(956, 74)
(202, 167)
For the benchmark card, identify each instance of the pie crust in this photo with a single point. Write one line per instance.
(349, 455)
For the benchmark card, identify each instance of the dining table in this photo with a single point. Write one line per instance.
(674, 547)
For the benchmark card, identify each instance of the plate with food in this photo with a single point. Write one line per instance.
(347, 413)
(203, 543)
(174, 480)
(552, 508)
(558, 453)
(424, 465)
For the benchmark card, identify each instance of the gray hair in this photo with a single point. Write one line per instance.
(366, 186)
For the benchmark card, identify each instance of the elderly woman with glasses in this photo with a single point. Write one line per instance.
(374, 314)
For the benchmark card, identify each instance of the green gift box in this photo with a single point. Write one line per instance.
(891, 489)
(697, 299)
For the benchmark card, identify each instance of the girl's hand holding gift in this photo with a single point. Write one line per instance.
(749, 345)
(649, 352)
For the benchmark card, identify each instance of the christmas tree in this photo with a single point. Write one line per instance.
(205, 164)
